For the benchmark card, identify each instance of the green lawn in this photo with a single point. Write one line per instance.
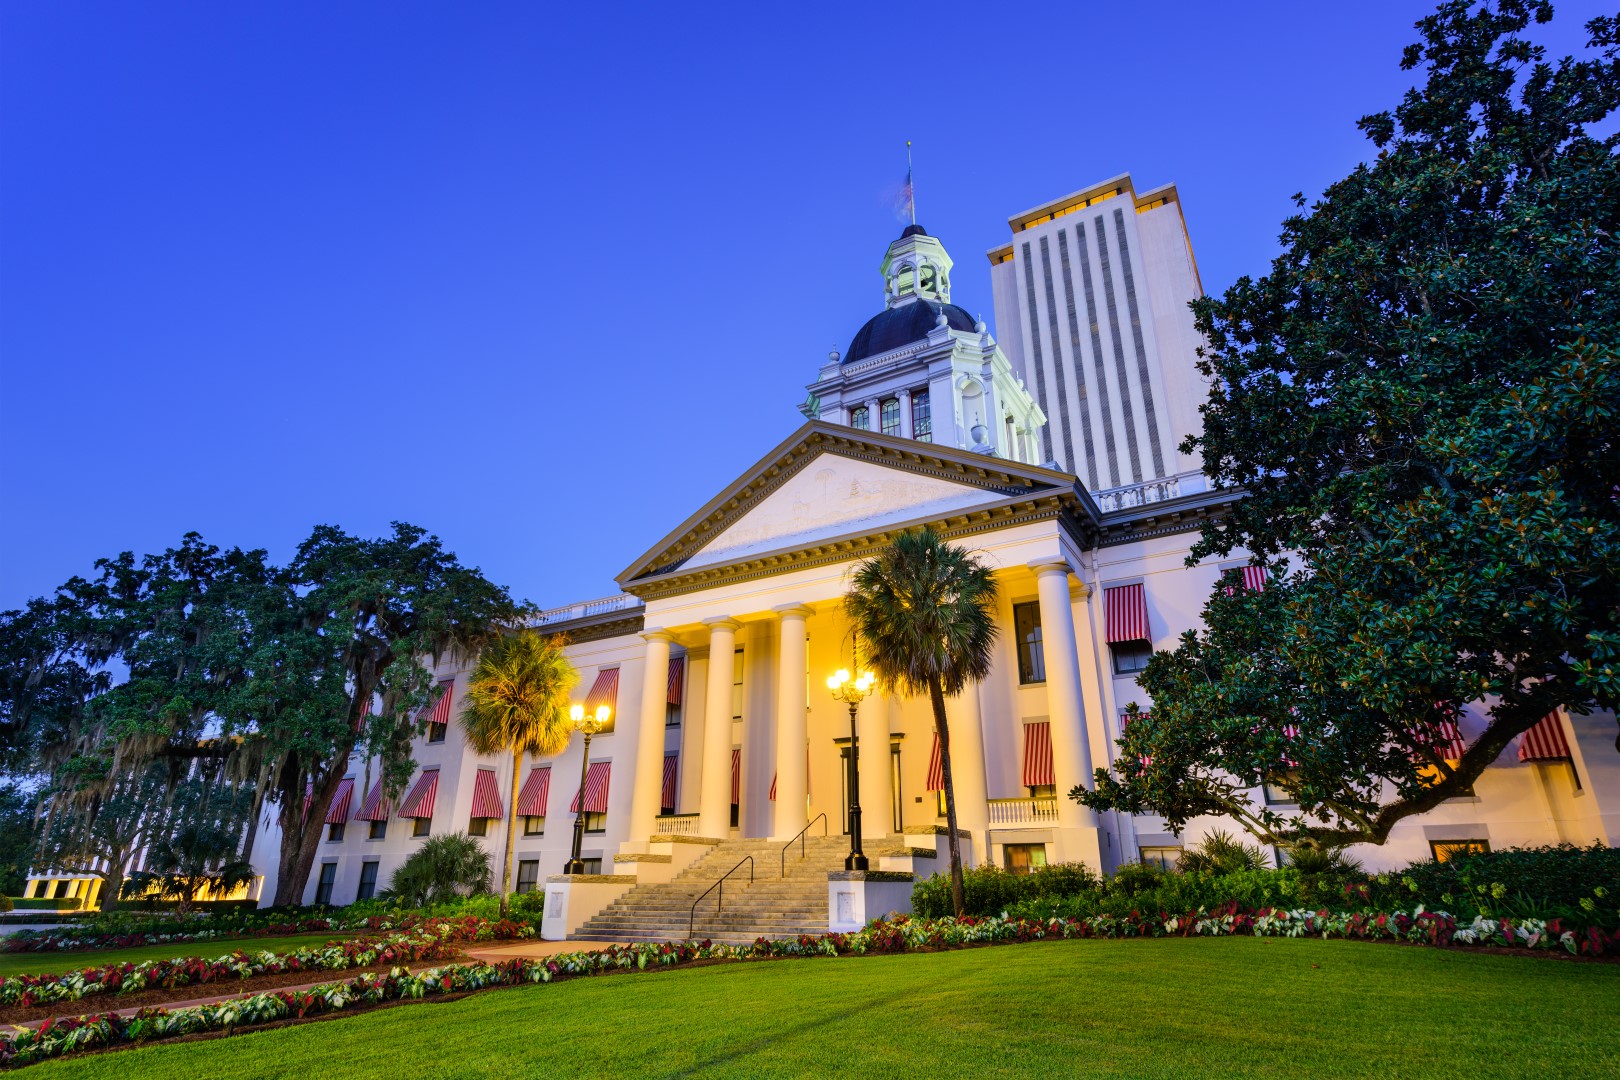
(35, 963)
(1223, 1007)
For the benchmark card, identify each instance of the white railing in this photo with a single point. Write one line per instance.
(676, 825)
(1041, 810)
(587, 608)
(1166, 487)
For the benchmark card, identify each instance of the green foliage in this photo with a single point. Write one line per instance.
(1422, 402)
(446, 868)
(5, 903)
(529, 905)
(1220, 853)
(989, 890)
(1543, 882)
(18, 835)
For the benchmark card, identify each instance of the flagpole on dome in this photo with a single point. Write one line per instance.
(911, 191)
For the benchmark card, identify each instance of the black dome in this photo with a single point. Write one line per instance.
(913, 230)
(902, 325)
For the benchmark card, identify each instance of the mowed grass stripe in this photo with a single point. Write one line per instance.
(1151, 1008)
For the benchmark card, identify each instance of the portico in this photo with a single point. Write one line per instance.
(759, 575)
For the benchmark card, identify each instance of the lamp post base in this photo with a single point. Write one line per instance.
(856, 861)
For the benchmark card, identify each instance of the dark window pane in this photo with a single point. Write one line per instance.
(1031, 653)
(889, 415)
(922, 418)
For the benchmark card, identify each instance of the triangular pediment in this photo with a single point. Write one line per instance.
(829, 482)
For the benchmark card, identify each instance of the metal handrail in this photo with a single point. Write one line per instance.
(721, 899)
(822, 817)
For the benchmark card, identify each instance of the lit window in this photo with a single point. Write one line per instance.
(737, 685)
(1023, 858)
(421, 826)
(1031, 653)
(1446, 850)
(1276, 793)
(1165, 858)
(922, 420)
(368, 881)
(436, 732)
(534, 826)
(528, 875)
(595, 822)
(889, 415)
(859, 417)
(477, 826)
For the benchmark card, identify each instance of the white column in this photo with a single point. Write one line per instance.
(648, 780)
(967, 767)
(791, 782)
(904, 397)
(714, 796)
(877, 800)
(1071, 745)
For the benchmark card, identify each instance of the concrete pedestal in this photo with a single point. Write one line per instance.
(574, 899)
(856, 897)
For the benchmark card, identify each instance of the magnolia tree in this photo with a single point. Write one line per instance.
(1421, 400)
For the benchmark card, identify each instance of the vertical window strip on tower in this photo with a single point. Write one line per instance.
(1104, 398)
(1126, 412)
(1057, 358)
(1149, 416)
(1079, 359)
(1035, 338)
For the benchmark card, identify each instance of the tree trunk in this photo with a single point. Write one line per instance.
(511, 834)
(112, 883)
(936, 696)
(299, 840)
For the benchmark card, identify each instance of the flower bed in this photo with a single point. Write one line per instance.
(62, 1036)
(424, 940)
(68, 940)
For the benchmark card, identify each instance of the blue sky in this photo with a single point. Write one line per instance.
(542, 280)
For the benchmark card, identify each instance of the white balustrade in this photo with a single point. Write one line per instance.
(676, 825)
(1041, 810)
(587, 608)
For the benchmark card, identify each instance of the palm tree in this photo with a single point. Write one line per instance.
(517, 701)
(925, 609)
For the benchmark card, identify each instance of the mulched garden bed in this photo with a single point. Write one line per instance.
(15, 1014)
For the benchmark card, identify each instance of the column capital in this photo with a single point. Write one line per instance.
(788, 611)
(723, 622)
(1059, 565)
(657, 634)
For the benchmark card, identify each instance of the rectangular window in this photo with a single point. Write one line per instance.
(595, 822)
(1131, 657)
(334, 832)
(368, 881)
(421, 826)
(1165, 858)
(1446, 850)
(534, 826)
(889, 415)
(436, 732)
(859, 417)
(1277, 794)
(1023, 858)
(672, 716)
(922, 420)
(737, 685)
(593, 866)
(528, 874)
(1031, 655)
(478, 826)
(379, 830)
(323, 887)
(1042, 791)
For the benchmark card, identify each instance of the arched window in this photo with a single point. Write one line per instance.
(859, 417)
(889, 415)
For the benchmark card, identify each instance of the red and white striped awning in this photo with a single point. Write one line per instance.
(1446, 738)
(936, 769)
(806, 776)
(419, 803)
(338, 812)
(605, 691)
(1038, 754)
(736, 776)
(1254, 578)
(1126, 614)
(1290, 732)
(376, 808)
(486, 801)
(773, 787)
(1125, 722)
(596, 789)
(1545, 741)
(677, 679)
(441, 708)
(666, 795)
(536, 793)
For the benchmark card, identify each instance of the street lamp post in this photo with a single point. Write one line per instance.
(851, 691)
(589, 725)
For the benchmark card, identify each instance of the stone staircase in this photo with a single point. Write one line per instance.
(772, 907)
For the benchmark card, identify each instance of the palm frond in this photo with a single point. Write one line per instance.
(517, 696)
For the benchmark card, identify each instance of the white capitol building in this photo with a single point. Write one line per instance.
(1052, 453)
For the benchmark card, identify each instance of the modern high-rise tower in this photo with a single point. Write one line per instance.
(1091, 303)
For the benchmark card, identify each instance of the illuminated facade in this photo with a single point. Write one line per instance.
(714, 653)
